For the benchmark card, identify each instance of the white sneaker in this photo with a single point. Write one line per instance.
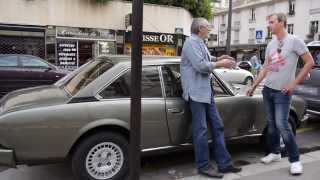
(271, 158)
(296, 168)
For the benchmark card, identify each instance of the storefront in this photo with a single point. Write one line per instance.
(20, 39)
(161, 44)
(70, 47)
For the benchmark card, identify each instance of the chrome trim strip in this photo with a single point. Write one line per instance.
(313, 112)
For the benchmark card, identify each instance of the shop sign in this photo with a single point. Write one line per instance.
(86, 33)
(156, 38)
(67, 54)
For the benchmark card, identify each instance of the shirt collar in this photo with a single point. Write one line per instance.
(196, 37)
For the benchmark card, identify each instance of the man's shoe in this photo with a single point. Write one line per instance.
(211, 172)
(271, 158)
(296, 168)
(230, 169)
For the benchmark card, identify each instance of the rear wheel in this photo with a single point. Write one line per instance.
(248, 81)
(293, 127)
(102, 156)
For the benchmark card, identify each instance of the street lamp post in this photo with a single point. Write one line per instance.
(228, 46)
(135, 108)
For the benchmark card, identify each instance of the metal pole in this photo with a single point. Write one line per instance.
(135, 113)
(228, 49)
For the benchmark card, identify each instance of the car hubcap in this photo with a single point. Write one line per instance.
(104, 160)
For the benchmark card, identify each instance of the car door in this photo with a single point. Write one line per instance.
(177, 111)
(36, 71)
(236, 111)
(116, 104)
(10, 77)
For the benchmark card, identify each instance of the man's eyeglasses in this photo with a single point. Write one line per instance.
(280, 44)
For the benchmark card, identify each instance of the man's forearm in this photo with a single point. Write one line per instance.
(304, 72)
(260, 77)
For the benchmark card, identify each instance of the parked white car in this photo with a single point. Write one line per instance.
(236, 75)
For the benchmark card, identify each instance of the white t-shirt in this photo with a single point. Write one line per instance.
(282, 66)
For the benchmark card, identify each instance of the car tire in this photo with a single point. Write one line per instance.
(293, 126)
(248, 81)
(103, 155)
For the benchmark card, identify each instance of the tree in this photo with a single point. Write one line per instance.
(198, 8)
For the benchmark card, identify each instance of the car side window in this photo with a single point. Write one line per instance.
(150, 85)
(8, 61)
(32, 62)
(218, 90)
(171, 78)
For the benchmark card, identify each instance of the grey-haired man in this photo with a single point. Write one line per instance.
(196, 67)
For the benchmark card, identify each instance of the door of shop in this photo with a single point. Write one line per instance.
(86, 51)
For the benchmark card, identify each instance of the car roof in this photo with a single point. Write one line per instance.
(146, 60)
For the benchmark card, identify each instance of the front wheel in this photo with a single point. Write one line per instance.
(101, 156)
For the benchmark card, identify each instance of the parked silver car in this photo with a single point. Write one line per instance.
(84, 117)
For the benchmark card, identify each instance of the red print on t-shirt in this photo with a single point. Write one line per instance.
(276, 61)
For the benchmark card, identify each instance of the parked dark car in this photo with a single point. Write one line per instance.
(310, 88)
(245, 65)
(22, 71)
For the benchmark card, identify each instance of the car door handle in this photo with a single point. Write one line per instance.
(175, 110)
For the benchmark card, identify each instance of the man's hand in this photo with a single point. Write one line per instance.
(226, 63)
(288, 89)
(250, 91)
(224, 57)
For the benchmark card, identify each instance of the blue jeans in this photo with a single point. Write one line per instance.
(277, 107)
(200, 112)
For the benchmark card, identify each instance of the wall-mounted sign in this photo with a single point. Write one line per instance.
(67, 53)
(155, 38)
(86, 33)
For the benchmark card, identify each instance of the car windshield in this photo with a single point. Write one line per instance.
(83, 76)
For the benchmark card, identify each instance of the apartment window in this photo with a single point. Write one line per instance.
(236, 37)
(314, 27)
(252, 33)
(292, 7)
(269, 33)
(223, 21)
(290, 28)
(252, 15)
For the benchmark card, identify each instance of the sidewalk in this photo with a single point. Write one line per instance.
(276, 171)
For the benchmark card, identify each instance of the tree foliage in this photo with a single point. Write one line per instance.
(198, 8)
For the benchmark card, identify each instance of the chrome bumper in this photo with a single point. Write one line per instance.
(7, 158)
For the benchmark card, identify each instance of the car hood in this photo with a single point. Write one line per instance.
(33, 97)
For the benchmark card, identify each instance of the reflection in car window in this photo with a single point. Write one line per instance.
(28, 61)
(150, 85)
(171, 78)
(218, 90)
(87, 75)
(8, 61)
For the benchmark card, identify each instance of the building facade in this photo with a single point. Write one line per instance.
(69, 32)
(249, 20)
